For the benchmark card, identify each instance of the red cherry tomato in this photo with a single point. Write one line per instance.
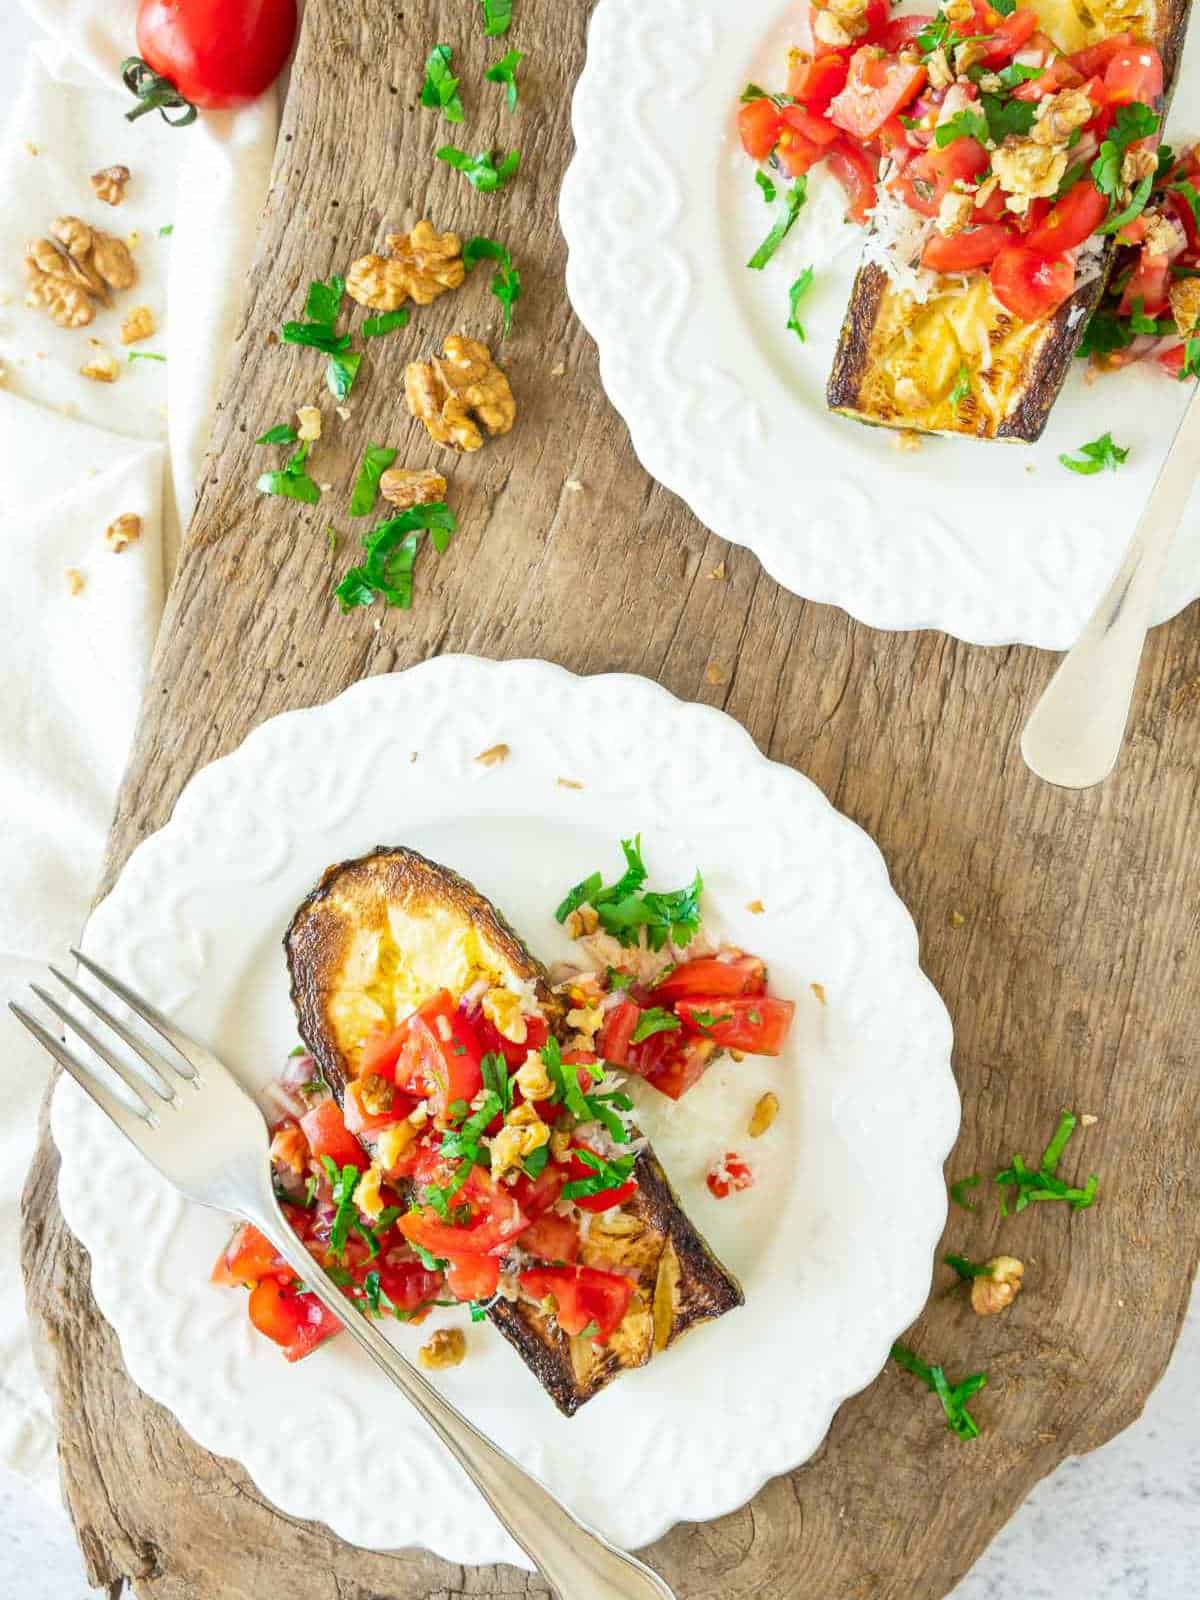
(1030, 285)
(730, 1176)
(1134, 73)
(217, 53)
(757, 1025)
(297, 1322)
(472, 1277)
(878, 87)
(815, 82)
(552, 1238)
(1075, 218)
(758, 126)
(815, 127)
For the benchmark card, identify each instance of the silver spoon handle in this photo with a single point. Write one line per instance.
(578, 1562)
(1075, 733)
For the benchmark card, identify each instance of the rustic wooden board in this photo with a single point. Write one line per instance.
(1061, 928)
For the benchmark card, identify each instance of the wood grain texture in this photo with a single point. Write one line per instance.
(1060, 928)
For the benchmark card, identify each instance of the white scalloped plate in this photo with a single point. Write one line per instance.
(992, 543)
(833, 1269)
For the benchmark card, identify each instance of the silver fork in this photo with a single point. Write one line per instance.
(192, 1120)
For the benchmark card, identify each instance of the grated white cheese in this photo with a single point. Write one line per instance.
(896, 240)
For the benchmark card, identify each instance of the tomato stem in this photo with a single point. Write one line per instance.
(155, 93)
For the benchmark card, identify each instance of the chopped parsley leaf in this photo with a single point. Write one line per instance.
(341, 372)
(497, 17)
(967, 1269)
(310, 1192)
(958, 1191)
(535, 1163)
(325, 300)
(386, 322)
(619, 980)
(145, 355)
(754, 91)
(167, 229)
(592, 1330)
(505, 71)
(377, 1301)
(376, 460)
(606, 1174)
(966, 124)
(506, 280)
(623, 909)
(958, 1419)
(497, 1081)
(1043, 1184)
(1006, 116)
(1141, 323)
(705, 1020)
(769, 192)
(481, 171)
(1101, 453)
(391, 555)
(479, 1310)
(343, 1185)
(429, 1261)
(656, 1020)
(439, 92)
(793, 202)
(1137, 204)
(283, 434)
(293, 483)
(795, 294)
(1132, 123)
(1014, 73)
(1105, 333)
(1191, 360)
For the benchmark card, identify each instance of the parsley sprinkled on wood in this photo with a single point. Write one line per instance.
(391, 555)
(318, 332)
(293, 483)
(506, 280)
(283, 434)
(481, 171)
(1043, 1183)
(967, 1270)
(505, 72)
(793, 204)
(1095, 457)
(954, 1399)
(387, 322)
(439, 92)
(375, 462)
(958, 1191)
(497, 17)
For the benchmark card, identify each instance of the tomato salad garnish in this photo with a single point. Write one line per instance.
(473, 1146)
(1011, 156)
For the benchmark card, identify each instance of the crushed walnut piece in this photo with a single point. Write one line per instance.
(717, 573)
(1058, 115)
(1028, 170)
(405, 487)
(1184, 297)
(969, 54)
(138, 324)
(997, 1288)
(67, 301)
(937, 65)
(818, 990)
(110, 184)
(419, 266)
(713, 674)
(755, 907)
(1163, 236)
(764, 1114)
(75, 580)
(502, 1008)
(101, 366)
(123, 531)
(445, 1348)
(309, 418)
(581, 922)
(955, 212)
(455, 392)
(493, 755)
(1138, 163)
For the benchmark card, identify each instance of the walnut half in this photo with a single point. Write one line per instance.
(419, 266)
(998, 1287)
(454, 393)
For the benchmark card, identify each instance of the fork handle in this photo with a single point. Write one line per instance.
(577, 1561)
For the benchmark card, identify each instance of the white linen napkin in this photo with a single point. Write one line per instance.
(75, 455)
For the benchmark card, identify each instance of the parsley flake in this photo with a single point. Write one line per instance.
(293, 483)
(793, 203)
(505, 72)
(624, 910)
(1044, 1184)
(606, 1174)
(958, 1191)
(376, 460)
(966, 124)
(439, 92)
(497, 17)
(769, 192)
(656, 1020)
(481, 171)
(387, 322)
(795, 294)
(1101, 453)
(506, 280)
(967, 1270)
(391, 555)
(954, 1400)
(283, 434)
(962, 386)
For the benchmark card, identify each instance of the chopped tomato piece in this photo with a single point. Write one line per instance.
(325, 1129)
(963, 252)
(711, 975)
(1061, 73)
(582, 1296)
(1011, 35)
(249, 1256)
(440, 1054)
(925, 182)
(879, 86)
(755, 1024)
(680, 1065)
(578, 1171)
(619, 1025)
(496, 1218)
(359, 1120)
(472, 1277)
(730, 1176)
(902, 31)
(297, 1322)
(537, 1195)
(893, 142)
(1030, 285)
(1172, 360)
(1148, 283)
(1134, 73)
(814, 83)
(1094, 58)
(1072, 220)
(409, 1285)
(815, 127)
(492, 1042)
(796, 154)
(551, 1238)
(758, 126)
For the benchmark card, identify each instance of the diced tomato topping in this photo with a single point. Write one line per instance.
(1148, 283)
(325, 1129)
(879, 86)
(1134, 73)
(249, 1256)
(902, 31)
(757, 1024)
(963, 252)
(1030, 285)
(440, 1054)
(814, 83)
(619, 1025)
(297, 1322)
(925, 182)
(492, 1042)
(551, 1238)
(759, 124)
(893, 143)
(1061, 73)
(1172, 360)
(1094, 58)
(537, 1195)
(472, 1277)
(814, 127)
(710, 975)
(797, 154)
(359, 1120)
(409, 1285)
(1072, 220)
(730, 1176)
(582, 1295)
(578, 1171)
(496, 1218)
(1009, 35)
(676, 1066)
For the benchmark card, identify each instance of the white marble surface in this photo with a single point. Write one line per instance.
(1121, 1524)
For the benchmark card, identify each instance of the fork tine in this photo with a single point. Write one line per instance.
(157, 1064)
(162, 1025)
(130, 1078)
(126, 1117)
